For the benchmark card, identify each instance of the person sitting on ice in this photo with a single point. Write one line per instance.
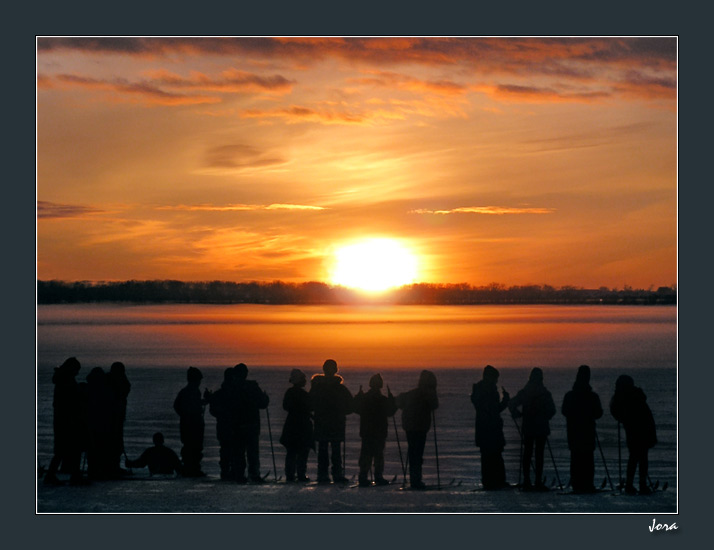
(160, 459)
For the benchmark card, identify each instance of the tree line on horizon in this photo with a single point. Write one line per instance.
(317, 293)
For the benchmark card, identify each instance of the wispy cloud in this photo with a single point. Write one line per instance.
(241, 207)
(490, 210)
(53, 210)
(163, 87)
(238, 156)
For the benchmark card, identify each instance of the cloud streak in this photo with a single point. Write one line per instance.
(51, 210)
(242, 207)
(488, 210)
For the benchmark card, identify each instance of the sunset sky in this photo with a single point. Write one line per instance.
(509, 160)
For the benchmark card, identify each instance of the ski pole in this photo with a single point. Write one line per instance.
(552, 458)
(603, 461)
(272, 450)
(520, 467)
(436, 451)
(619, 457)
(399, 446)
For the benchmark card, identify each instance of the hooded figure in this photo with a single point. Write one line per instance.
(331, 402)
(536, 408)
(297, 436)
(581, 408)
(489, 428)
(189, 405)
(101, 413)
(629, 406)
(417, 406)
(67, 423)
(374, 410)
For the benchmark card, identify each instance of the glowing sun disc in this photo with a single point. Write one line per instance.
(374, 265)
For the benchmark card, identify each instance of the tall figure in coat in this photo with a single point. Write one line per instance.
(331, 402)
(417, 406)
(489, 428)
(298, 435)
(535, 404)
(629, 406)
(581, 408)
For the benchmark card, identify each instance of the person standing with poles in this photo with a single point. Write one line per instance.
(249, 400)
(489, 436)
(581, 408)
(331, 402)
(629, 406)
(297, 435)
(537, 408)
(374, 410)
(417, 406)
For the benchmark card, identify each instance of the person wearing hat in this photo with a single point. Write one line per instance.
(189, 405)
(629, 406)
(297, 434)
(535, 404)
(489, 428)
(581, 408)
(374, 409)
(417, 406)
(331, 402)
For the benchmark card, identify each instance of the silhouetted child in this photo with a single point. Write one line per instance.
(629, 406)
(160, 459)
(297, 436)
(581, 408)
(189, 405)
(417, 406)
(537, 408)
(489, 428)
(331, 402)
(374, 410)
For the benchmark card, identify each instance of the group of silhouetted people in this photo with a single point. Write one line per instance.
(89, 418)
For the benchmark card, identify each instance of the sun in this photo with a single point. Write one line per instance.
(374, 265)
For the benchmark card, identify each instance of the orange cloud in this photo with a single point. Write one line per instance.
(491, 210)
(242, 207)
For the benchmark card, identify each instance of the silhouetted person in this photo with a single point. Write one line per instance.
(629, 406)
(67, 423)
(331, 402)
(223, 405)
(417, 406)
(489, 428)
(160, 459)
(581, 408)
(189, 405)
(298, 435)
(249, 400)
(101, 411)
(374, 410)
(120, 387)
(537, 408)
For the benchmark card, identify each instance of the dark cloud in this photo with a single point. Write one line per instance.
(239, 156)
(52, 210)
